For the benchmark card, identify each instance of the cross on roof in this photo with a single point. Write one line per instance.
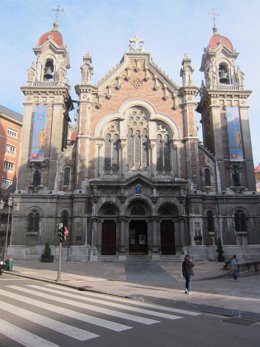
(58, 10)
(214, 14)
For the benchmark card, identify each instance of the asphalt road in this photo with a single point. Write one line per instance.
(33, 313)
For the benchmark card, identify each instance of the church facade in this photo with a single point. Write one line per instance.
(133, 179)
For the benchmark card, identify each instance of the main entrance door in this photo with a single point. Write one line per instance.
(138, 237)
(108, 237)
(167, 237)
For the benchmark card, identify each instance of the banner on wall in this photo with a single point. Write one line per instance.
(39, 133)
(234, 133)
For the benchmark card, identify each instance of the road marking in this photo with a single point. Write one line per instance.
(128, 301)
(102, 310)
(107, 303)
(23, 337)
(47, 322)
(66, 312)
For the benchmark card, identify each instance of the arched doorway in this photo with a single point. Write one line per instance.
(138, 242)
(167, 213)
(108, 234)
(138, 212)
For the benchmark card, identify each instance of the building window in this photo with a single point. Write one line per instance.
(10, 149)
(240, 220)
(66, 181)
(12, 133)
(163, 148)
(112, 148)
(33, 222)
(65, 218)
(207, 177)
(5, 183)
(210, 221)
(138, 211)
(8, 166)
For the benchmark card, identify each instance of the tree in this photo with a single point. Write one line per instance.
(220, 251)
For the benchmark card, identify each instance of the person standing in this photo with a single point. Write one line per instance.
(187, 272)
(234, 267)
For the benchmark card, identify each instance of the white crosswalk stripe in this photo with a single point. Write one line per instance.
(113, 304)
(127, 301)
(23, 337)
(66, 329)
(36, 296)
(66, 312)
(88, 306)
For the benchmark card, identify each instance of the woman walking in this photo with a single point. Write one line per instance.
(187, 273)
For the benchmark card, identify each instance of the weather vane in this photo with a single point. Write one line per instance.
(58, 10)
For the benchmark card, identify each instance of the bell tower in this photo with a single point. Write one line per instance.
(224, 115)
(46, 112)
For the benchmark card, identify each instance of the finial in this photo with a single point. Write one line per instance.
(214, 14)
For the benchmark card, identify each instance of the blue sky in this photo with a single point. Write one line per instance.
(170, 28)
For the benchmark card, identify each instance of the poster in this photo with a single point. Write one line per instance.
(39, 133)
(234, 134)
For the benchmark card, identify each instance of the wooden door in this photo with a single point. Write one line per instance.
(167, 237)
(108, 246)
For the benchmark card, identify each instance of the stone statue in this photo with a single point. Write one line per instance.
(186, 71)
(31, 73)
(36, 177)
(239, 76)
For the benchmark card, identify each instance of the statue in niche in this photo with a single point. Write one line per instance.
(186, 71)
(61, 74)
(212, 75)
(36, 177)
(86, 71)
(138, 189)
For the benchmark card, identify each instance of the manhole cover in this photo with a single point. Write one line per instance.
(240, 321)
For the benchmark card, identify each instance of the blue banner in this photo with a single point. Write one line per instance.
(39, 133)
(234, 134)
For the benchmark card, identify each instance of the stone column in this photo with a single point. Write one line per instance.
(155, 239)
(122, 239)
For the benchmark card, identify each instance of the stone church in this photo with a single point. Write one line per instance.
(132, 180)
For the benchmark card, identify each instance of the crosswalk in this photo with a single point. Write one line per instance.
(77, 315)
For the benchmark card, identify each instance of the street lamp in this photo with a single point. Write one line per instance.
(10, 204)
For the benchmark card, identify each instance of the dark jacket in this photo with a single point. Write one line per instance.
(187, 268)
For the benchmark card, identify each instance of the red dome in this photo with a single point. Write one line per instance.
(216, 39)
(54, 35)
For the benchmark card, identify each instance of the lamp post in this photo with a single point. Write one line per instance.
(10, 204)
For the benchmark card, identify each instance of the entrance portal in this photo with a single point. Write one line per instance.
(138, 237)
(167, 237)
(108, 238)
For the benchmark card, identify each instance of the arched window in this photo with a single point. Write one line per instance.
(66, 181)
(163, 148)
(210, 221)
(137, 139)
(138, 210)
(34, 222)
(240, 220)
(207, 177)
(112, 147)
(223, 74)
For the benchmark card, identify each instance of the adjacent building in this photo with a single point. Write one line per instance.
(134, 179)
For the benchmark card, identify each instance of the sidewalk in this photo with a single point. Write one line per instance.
(161, 282)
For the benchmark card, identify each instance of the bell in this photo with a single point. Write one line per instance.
(48, 73)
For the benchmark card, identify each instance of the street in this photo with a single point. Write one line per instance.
(35, 313)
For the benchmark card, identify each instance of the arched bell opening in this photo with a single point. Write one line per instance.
(48, 70)
(223, 73)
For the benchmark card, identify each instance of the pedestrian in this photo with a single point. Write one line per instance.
(187, 272)
(234, 267)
